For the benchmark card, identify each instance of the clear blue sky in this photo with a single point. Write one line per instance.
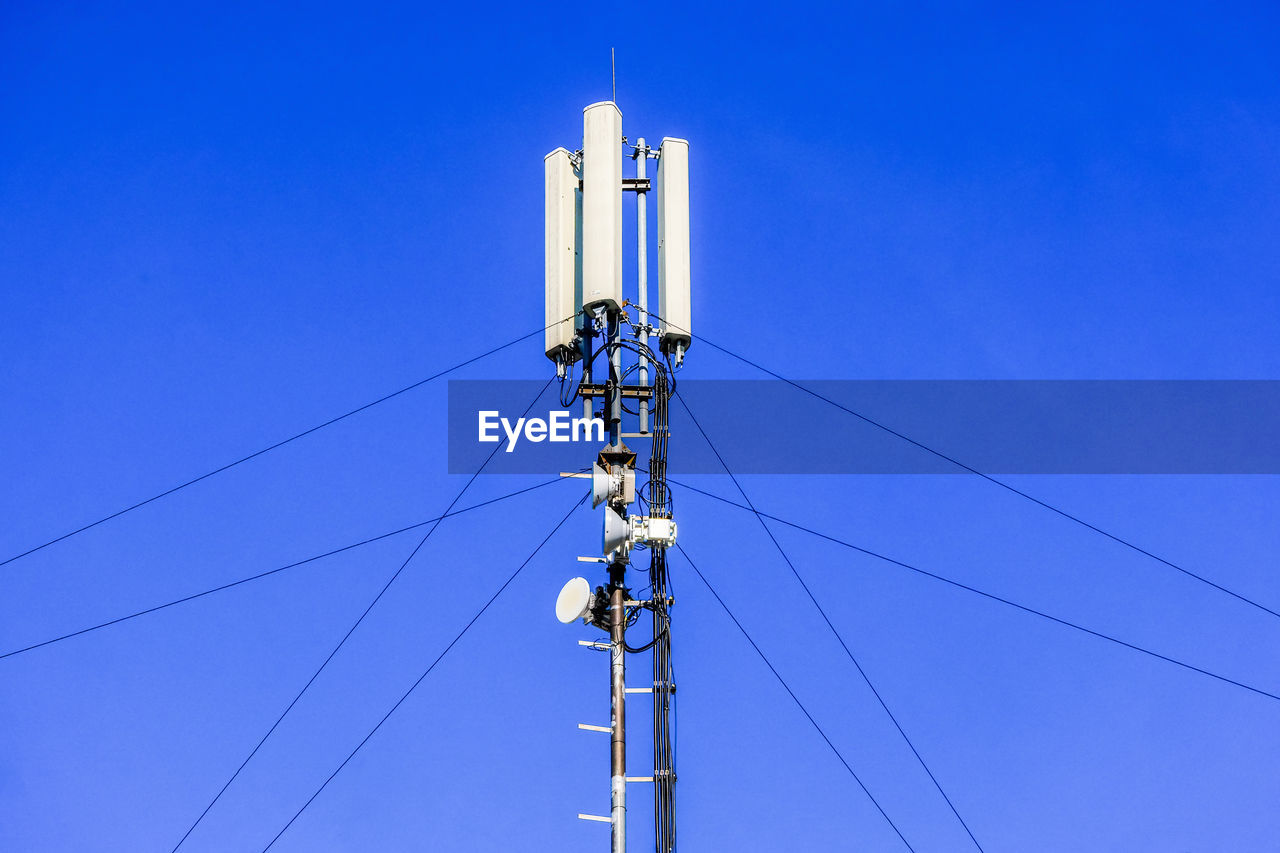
(221, 226)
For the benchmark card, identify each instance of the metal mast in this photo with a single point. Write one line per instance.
(618, 706)
(584, 280)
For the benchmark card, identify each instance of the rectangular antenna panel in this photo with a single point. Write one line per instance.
(602, 206)
(563, 264)
(673, 244)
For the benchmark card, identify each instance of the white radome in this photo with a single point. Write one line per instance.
(574, 600)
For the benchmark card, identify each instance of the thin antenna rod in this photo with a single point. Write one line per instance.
(613, 74)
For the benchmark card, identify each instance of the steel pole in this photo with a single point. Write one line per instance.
(618, 708)
(614, 408)
(642, 267)
(586, 333)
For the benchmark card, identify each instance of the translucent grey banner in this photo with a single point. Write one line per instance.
(993, 426)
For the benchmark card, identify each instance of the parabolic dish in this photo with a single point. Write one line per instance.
(574, 600)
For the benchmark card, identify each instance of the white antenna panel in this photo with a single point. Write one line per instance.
(673, 244)
(602, 206)
(562, 261)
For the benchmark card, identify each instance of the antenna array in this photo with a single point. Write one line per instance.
(584, 282)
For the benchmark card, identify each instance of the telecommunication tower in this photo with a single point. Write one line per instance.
(587, 317)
